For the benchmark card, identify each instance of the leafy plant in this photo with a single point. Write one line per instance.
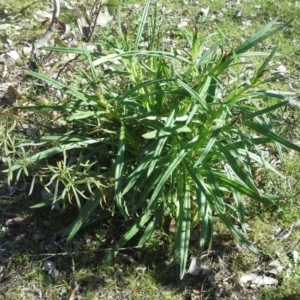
(160, 133)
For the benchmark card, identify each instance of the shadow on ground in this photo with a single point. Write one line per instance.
(29, 244)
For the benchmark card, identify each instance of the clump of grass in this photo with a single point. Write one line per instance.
(152, 134)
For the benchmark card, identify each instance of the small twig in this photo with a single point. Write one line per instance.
(73, 295)
(284, 234)
(28, 6)
(73, 269)
(202, 287)
(88, 251)
(95, 22)
(94, 7)
(7, 213)
(46, 36)
(65, 65)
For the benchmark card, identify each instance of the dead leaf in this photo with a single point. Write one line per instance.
(12, 92)
(83, 26)
(296, 256)
(40, 16)
(104, 18)
(258, 279)
(281, 70)
(3, 69)
(11, 55)
(204, 11)
(46, 22)
(9, 97)
(62, 27)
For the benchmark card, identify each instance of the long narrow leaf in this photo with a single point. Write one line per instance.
(142, 23)
(90, 62)
(119, 171)
(152, 225)
(245, 176)
(184, 219)
(194, 94)
(265, 110)
(136, 227)
(128, 54)
(260, 36)
(209, 146)
(85, 214)
(240, 187)
(271, 135)
(171, 168)
(142, 168)
(59, 85)
(170, 121)
(215, 190)
(206, 224)
(52, 151)
(262, 68)
(238, 201)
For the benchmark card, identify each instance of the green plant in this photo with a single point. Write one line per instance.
(160, 134)
(4, 231)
